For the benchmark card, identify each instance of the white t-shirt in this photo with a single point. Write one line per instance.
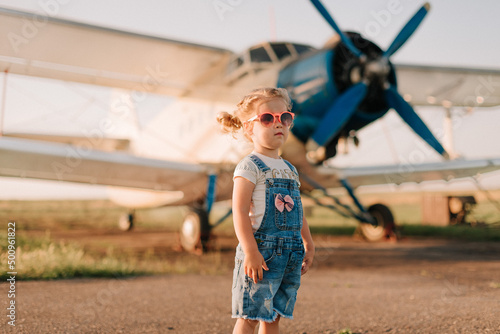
(247, 169)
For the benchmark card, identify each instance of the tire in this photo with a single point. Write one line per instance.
(385, 224)
(126, 222)
(195, 231)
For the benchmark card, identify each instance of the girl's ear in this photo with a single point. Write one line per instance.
(248, 127)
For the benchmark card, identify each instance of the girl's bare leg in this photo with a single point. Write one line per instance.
(245, 326)
(270, 327)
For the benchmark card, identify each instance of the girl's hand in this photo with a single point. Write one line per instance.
(308, 261)
(253, 264)
(308, 246)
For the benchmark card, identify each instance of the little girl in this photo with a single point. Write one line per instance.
(275, 245)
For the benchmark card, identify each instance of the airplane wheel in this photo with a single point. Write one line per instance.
(126, 221)
(195, 231)
(385, 224)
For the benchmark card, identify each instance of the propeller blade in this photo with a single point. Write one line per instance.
(405, 110)
(338, 114)
(407, 30)
(322, 10)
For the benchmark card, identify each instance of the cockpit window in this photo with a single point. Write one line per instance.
(234, 64)
(259, 55)
(281, 50)
(300, 48)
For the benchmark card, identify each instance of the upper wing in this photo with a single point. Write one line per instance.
(51, 161)
(59, 49)
(446, 170)
(102, 143)
(447, 86)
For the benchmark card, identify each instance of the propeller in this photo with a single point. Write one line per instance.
(347, 42)
(339, 113)
(407, 30)
(405, 110)
(375, 70)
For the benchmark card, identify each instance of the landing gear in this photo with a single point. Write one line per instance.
(126, 221)
(375, 224)
(195, 231)
(385, 224)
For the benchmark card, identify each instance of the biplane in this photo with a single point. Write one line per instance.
(181, 158)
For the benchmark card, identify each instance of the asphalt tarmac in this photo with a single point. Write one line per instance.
(412, 286)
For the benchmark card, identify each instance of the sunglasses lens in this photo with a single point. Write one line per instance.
(267, 119)
(286, 119)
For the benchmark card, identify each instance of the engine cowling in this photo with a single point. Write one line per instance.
(316, 80)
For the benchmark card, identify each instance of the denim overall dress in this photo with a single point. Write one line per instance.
(280, 242)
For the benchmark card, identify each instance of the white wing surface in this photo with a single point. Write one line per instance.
(54, 48)
(52, 161)
(448, 86)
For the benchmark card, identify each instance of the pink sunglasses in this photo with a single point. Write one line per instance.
(267, 119)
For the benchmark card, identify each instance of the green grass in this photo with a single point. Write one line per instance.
(345, 331)
(41, 258)
(466, 233)
(495, 285)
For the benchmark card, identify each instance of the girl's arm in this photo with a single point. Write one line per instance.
(308, 246)
(242, 198)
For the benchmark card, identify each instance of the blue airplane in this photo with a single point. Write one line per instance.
(181, 158)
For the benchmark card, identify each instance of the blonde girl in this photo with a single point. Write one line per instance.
(275, 245)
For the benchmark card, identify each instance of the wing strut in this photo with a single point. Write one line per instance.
(377, 222)
(339, 207)
(211, 193)
(4, 96)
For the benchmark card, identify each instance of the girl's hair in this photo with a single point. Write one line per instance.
(232, 123)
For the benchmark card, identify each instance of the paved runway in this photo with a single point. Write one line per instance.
(408, 287)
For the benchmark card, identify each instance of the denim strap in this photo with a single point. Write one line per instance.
(292, 167)
(262, 166)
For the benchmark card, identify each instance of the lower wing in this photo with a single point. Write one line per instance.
(52, 161)
(401, 173)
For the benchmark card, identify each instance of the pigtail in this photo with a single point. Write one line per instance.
(229, 123)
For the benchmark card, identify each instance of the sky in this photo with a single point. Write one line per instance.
(459, 33)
